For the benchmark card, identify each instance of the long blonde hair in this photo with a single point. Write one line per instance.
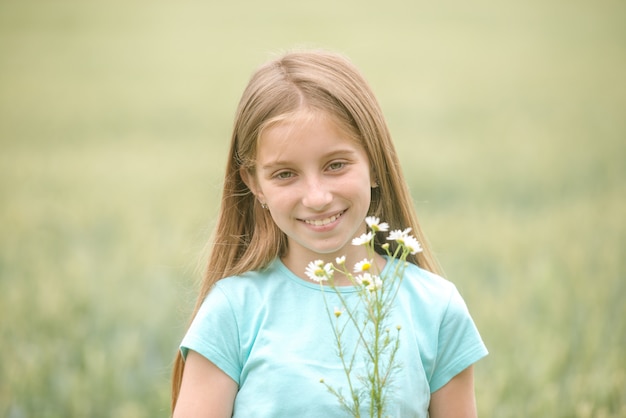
(245, 237)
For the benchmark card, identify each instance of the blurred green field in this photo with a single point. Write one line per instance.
(510, 118)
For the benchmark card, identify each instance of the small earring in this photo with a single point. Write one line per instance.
(264, 205)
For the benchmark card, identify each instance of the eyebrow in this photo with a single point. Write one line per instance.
(334, 153)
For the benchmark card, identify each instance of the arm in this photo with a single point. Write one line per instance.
(456, 399)
(206, 391)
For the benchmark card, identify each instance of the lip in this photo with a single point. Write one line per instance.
(325, 220)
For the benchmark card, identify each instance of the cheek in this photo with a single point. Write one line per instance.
(263, 188)
(368, 179)
(278, 196)
(359, 188)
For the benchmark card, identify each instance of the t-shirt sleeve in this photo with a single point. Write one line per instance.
(459, 343)
(214, 334)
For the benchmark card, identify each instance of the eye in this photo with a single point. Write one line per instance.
(283, 175)
(336, 165)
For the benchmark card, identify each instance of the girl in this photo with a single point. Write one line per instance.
(310, 158)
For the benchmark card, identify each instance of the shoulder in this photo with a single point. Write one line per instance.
(447, 336)
(431, 296)
(232, 301)
(426, 278)
(428, 285)
(250, 287)
(250, 279)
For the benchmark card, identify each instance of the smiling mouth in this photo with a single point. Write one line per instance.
(325, 221)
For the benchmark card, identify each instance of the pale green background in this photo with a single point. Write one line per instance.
(114, 122)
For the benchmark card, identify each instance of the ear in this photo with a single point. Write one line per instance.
(250, 180)
(373, 178)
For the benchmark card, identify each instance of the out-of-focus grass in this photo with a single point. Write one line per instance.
(114, 123)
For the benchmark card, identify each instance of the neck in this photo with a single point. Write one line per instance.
(298, 265)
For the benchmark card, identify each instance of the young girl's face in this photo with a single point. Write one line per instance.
(315, 179)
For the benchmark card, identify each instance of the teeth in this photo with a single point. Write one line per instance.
(322, 222)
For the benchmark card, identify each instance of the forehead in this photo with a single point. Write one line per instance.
(305, 119)
(302, 132)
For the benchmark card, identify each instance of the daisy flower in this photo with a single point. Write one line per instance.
(412, 244)
(375, 225)
(362, 266)
(318, 271)
(398, 236)
(364, 279)
(376, 284)
(363, 239)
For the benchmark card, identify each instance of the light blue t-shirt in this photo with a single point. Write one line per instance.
(270, 332)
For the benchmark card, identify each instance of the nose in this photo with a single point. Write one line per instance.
(317, 195)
